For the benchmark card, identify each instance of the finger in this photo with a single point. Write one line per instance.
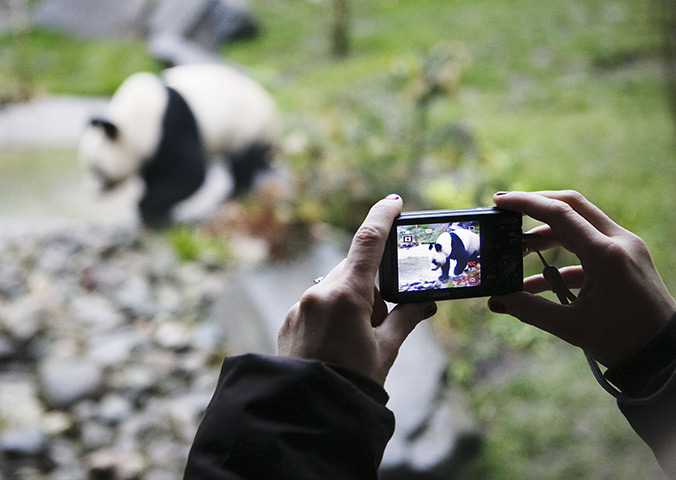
(573, 276)
(368, 243)
(380, 310)
(544, 239)
(399, 324)
(587, 209)
(576, 233)
(537, 311)
(335, 273)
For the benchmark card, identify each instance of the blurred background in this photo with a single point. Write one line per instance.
(444, 102)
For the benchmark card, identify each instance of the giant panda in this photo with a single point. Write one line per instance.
(460, 245)
(195, 135)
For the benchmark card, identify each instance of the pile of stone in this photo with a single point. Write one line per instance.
(421, 285)
(107, 354)
(110, 349)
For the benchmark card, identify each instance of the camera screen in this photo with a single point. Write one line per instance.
(439, 256)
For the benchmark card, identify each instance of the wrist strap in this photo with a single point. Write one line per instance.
(565, 296)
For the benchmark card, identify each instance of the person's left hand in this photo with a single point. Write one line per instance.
(343, 320)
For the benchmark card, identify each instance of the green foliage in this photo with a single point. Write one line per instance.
(549, 420)
(446, 102)
(192, 245)
(38, 61)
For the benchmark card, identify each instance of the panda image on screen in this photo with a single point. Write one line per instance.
(459, 246)
(195, 135)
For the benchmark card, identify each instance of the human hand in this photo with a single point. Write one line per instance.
(623, 301)
(343, 319)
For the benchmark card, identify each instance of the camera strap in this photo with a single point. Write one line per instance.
(558, 285)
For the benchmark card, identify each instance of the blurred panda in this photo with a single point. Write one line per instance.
(195, 136)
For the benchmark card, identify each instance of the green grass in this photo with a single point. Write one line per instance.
(42, 61)
(554, 95)
(557, 95)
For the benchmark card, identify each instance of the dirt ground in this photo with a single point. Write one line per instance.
(414, 266)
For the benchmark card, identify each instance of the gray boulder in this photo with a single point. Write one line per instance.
(93, 18)
(183, 32)
(65, 382)
(208, 23)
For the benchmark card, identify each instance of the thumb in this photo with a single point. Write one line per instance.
(400, 322)
(534, 310)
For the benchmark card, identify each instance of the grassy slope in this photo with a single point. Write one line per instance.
(562, 94)
(570, 95)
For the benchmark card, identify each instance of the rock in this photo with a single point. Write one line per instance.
(112, 464)
(96, 312)
(114, 348)
(113, 409)
(7, 348)
(57, 256)
(176, 50)
(126, 345)
(451, 438)
(94, 435)
(23, 443)
(12, 279)
(433, 426)
(174, 335)
(134, 295)
(93, 18)
(208, 23)
(115, 327)
(135, 381)
(26, 447)
(20, 407)
(56, 423)
(192, 32)
(23, 318)
(65, 382)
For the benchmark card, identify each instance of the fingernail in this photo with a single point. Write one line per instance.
(392, 196)
(497, 307)
(430, 311)
(500, 193)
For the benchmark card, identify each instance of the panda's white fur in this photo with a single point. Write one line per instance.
(136, 109)
(442, 254)
(232, 113)
(205, 201)
(255, 109)
(438, 257)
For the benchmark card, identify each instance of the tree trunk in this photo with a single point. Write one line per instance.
(341, 26)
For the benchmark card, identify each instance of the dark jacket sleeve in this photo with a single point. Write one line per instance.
(282, 418)
(646, 373)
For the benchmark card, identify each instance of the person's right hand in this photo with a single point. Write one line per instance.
(623, 301)
(344, 320)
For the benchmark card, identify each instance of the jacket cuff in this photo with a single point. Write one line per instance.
(646, 371)
(367, 385)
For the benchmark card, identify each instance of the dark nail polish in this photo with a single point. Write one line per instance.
(497, 307)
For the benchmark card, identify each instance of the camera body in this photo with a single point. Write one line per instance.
(449, 254)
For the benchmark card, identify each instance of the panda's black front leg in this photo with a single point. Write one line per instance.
(445, 268)
(460, 267)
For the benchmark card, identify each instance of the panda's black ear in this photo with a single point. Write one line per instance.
(108, 127)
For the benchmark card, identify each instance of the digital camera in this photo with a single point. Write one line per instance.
(448, 254)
